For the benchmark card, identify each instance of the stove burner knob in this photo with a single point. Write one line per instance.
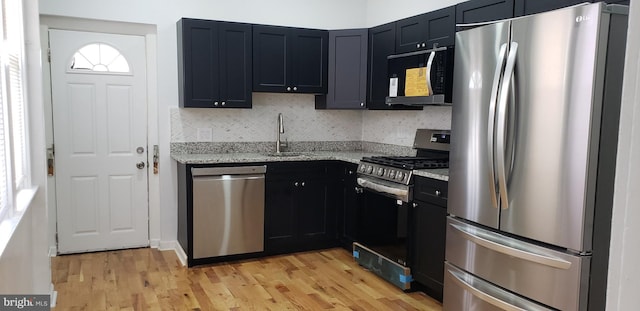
(392, 174)
(400, 176)
(380, 171)
(369, 169)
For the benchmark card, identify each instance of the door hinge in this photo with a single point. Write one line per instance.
(49, 54)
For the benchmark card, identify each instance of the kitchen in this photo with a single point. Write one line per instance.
(164, 232)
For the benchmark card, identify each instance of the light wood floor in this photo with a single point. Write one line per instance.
(148, 279)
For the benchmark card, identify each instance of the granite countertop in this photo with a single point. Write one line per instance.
(346, 156)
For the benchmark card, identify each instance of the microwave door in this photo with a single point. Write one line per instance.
(479, 60)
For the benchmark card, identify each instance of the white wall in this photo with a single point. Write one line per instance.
(384, 11)
(24, 264)
(624, 271)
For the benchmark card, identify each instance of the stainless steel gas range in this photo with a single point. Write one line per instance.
(383, 245)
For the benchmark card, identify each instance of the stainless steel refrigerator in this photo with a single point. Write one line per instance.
(534, 132)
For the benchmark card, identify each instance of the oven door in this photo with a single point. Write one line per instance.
(384, 220)
(386, 188)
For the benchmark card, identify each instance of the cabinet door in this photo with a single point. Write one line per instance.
(270, 44)
(382, 43)
(235, 46)
(424, 31)
(527, 7)
(349, 208)
(411, 34)
(441, 27)
(476, 11)
(280, 215)
(308, 61)
(347, 84)
(313, 215)
(198, 63)
(429, 246)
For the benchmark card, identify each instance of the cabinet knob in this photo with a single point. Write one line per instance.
(288, 88)
(302, 184)
(418, 45)
(215, 103)
(296, 184)
(359, 190)
(295, 88)
(415, 204)
(223, 103)
(438, 193)
(361, 104)
(350, 172)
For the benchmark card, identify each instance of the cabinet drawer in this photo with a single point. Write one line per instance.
(430, 190)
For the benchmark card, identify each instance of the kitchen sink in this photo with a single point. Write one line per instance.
(284, 154)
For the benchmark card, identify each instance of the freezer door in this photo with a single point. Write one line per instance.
(479, 61)
(550, 169)
(550, 277)
(464, 291)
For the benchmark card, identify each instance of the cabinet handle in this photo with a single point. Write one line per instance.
(295, 88)
(288, 88)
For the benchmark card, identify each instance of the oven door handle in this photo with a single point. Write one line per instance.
(377, 186)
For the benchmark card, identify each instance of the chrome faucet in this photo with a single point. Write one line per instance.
(279, 144)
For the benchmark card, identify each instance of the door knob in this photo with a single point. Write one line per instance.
(140, 165)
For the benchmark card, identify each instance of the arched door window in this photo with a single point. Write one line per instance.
(99, 58)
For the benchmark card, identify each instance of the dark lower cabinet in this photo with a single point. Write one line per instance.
(349, 207)
(299, 211)
(429, 234)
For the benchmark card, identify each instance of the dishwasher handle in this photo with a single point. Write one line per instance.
(233, 170)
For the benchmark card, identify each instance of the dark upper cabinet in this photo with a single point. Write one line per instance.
(477, 11)
(289, 60)
(214, 64)
(347, 85)
(426, 30)
(382, 43)
(526, 7)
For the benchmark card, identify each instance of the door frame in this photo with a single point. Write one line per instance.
(149, 32)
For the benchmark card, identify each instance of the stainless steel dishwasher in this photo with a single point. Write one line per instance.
(228, 210)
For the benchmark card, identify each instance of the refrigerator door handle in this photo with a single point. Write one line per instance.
(429, 63)
(499, 303)
(501, 131)
(492, 123)
(495, 245)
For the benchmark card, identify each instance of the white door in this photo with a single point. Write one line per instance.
(100, 136)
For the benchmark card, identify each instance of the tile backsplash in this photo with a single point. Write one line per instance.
(302, 122)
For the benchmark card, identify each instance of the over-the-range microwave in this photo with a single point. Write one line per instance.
(438, 63)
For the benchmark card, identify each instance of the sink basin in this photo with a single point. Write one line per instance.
(284, 154)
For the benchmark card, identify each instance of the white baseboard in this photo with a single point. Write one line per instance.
(53, 251)
(174, 246)
(154, 243)
(53, 295)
